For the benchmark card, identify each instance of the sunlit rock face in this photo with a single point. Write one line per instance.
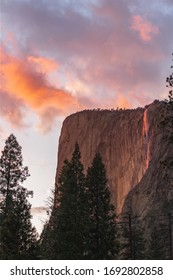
(129, 141)
(154, 192)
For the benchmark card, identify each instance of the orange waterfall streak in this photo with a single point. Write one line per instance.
(147, 142)
(145, 127)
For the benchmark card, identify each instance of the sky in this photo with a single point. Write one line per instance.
(62, 56)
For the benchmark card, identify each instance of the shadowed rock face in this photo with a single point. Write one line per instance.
(153, 195)
(130, 142)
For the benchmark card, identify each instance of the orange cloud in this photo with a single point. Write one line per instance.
(42, 64)
(30, 85)
(123, 102)
(145, 28)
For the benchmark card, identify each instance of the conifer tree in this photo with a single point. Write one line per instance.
(47, 242)
(169, 102)
(18, 239)
(47, 237)
(69, 217)
(139, 244)
(132, 243)
(169, 80)
(101, 242)
(157, 248)
(166, 123)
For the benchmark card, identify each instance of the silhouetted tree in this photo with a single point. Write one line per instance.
(48, 237)
(169, 80)
(70, 214)
(18, 238)
(166, 123)
(132, 243)
(101, 242)
(157, 248)
(160, 230)
(47, 242)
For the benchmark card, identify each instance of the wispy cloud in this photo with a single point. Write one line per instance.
(145, 28)
(68, 55)
(12, 109)
(42, 64)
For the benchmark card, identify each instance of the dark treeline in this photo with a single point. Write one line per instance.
(84, 225)
(83, 222)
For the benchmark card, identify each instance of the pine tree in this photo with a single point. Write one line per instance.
(168, 121)
(169, 80)
(139, 242)
(48, 242)
(157, 248)
(132, 243)
(101, 243)
(69, 217)
(18, 239)
(48, 234)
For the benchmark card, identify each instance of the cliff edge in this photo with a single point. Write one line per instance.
(131, 143)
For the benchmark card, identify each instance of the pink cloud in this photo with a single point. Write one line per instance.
(25, 84)
(92, 56)
(145, 28)
(42, 64)
(12, 109)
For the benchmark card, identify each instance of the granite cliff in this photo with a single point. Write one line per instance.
(135, 148)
